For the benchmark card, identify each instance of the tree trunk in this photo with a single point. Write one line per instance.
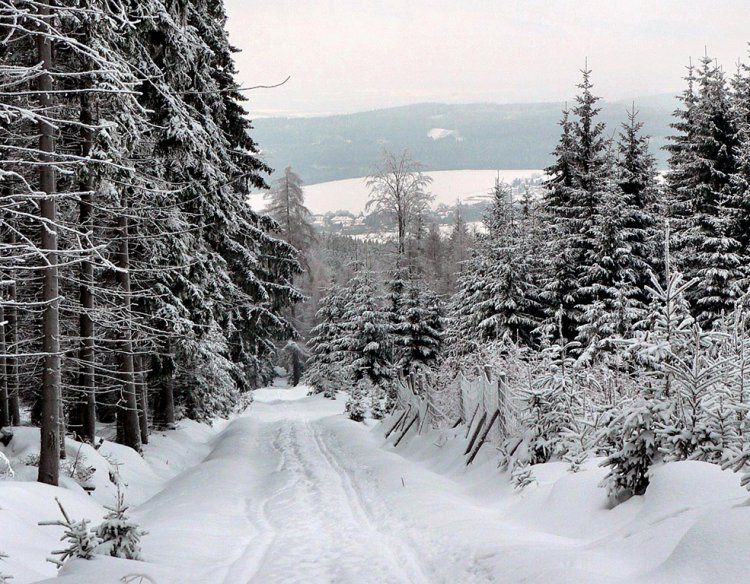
(4, 403)
(11, 362)
(165, 398)
(167, 403)
(49, 462)
(62, 429)
(142, 399)
(87, 400)
(127, 411)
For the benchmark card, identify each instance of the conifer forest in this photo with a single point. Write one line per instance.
(205, 376)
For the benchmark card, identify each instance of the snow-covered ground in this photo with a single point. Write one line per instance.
(291, 491)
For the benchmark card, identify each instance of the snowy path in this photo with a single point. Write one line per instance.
(292, 492)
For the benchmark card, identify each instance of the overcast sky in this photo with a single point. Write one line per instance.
(354, 55)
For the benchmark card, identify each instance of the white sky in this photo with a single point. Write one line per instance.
(353, 55)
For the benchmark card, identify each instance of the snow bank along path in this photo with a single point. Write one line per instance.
(292, 492)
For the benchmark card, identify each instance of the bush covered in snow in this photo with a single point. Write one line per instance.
(117, 535)
(81, 539)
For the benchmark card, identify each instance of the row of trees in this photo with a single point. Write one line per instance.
(578, 263)
(367, 333)
(130, 260)
(616, 305)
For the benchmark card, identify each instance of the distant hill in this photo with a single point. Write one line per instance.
(441, 136)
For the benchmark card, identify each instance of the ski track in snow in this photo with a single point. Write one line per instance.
(318, 527)
(299, 495)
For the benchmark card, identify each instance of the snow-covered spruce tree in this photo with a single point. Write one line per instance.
(636, 177)
(549, 405)
(702, 164)
(82, 541)
(367, 336)
(740, 101)
(418, 328)
(360, 393)
(560, 273)
(324, 368)
(118, 536)
(459, 247)
(395, 300)
(378, 403)
(498, 289)
(235, 271)
(697, 374)
(573, 194)
(613, 272)
(624, 251)
(638, 447)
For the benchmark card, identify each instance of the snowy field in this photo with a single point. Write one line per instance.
(447, 186)
(293, 492)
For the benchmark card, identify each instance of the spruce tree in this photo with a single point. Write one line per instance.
(498, 290)
(368, 336)
(418, 329)
(702, 164)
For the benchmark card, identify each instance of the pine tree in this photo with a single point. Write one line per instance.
(368, 337)
(636, 177)
(638, 448)
(119, 536)
(579, 177)
(327, 358)
(286, 205)
(615, 270)
(560, 272)
(498, 290)
(418, 328)
(702, 164)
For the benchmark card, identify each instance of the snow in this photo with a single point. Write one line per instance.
(292, 491)
(441, 133)
(447, 186)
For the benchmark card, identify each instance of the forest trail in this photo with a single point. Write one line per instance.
(299, 494)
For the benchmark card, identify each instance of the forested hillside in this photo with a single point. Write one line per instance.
(441, 136)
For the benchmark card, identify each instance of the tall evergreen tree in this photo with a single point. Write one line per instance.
(579, 177)
(498, 290)
(702, 164)
(286, 204)
(368, 337)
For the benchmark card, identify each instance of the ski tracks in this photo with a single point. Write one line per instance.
(321, 517)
